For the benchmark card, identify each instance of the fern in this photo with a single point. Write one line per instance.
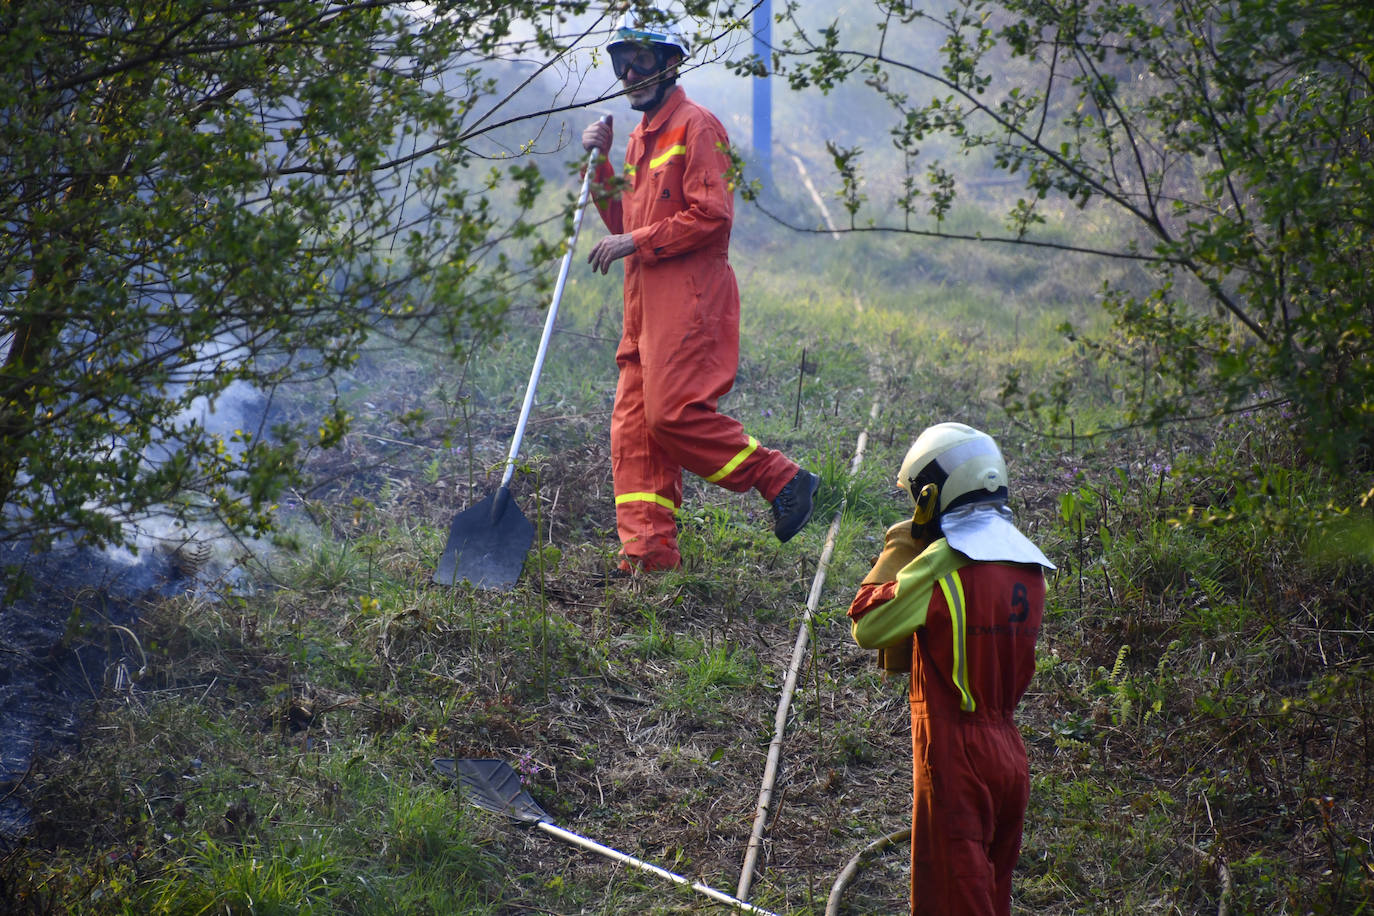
(1119, 667)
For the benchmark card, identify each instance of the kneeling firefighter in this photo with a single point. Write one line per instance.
(956, 598)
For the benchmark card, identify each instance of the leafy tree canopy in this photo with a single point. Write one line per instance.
(208, 193)
(1233, 135)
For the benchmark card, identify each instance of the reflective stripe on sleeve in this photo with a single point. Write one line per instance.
(735, 461)
(663, 501)
(954, 597)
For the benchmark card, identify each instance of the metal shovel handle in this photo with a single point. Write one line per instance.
(550, 318)
(627, 859)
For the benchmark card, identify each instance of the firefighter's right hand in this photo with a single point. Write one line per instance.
(899, 549)
(598, 136)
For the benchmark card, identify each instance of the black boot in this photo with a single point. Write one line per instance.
(793, 506)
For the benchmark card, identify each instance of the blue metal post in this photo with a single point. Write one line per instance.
(763, 94)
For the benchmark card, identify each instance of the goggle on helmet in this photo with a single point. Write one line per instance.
(644, 46)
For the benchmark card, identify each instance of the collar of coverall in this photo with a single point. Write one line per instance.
(670, 104)
(986, 532)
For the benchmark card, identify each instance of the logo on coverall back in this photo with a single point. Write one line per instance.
(1020, 610)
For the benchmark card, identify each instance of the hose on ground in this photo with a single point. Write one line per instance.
(770, 771)
(832, 906)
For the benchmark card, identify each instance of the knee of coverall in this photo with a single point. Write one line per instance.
(675, 401)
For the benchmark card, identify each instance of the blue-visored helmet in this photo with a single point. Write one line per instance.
(650, 27)
(644, 41)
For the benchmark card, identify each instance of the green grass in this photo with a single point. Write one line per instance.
(1201, 706)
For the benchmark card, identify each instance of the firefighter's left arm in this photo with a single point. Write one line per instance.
(886, 614)
(708, 199)
(610, 249)
(900, 547)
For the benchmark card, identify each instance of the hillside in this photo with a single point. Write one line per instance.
(1199, 726)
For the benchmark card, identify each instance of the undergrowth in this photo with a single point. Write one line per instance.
(1199, 727)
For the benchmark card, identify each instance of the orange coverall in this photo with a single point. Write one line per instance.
(679, 350)
(975, 627)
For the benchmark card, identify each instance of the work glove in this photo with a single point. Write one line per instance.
(899, 549)
(896, 659)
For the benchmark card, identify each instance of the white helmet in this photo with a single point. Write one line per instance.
(650, 27)
(952, 465)
(956, 475)
(647, 43)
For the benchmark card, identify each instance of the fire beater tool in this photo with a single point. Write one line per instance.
(493, 785)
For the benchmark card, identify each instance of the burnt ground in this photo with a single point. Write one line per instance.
(67, 635)
(626, 754)
(625, 747)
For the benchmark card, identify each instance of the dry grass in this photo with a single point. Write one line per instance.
(1201, 714)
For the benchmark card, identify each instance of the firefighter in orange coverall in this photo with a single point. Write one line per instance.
(679, 348)
(956, 598)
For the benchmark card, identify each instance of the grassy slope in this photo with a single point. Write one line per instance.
(1198, 729)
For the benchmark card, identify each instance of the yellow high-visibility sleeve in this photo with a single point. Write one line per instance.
(897, 619)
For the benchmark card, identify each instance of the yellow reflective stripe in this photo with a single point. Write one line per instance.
(954, 597)
(679, 150)
(735, 461)
(663, 501)
(629, 170)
